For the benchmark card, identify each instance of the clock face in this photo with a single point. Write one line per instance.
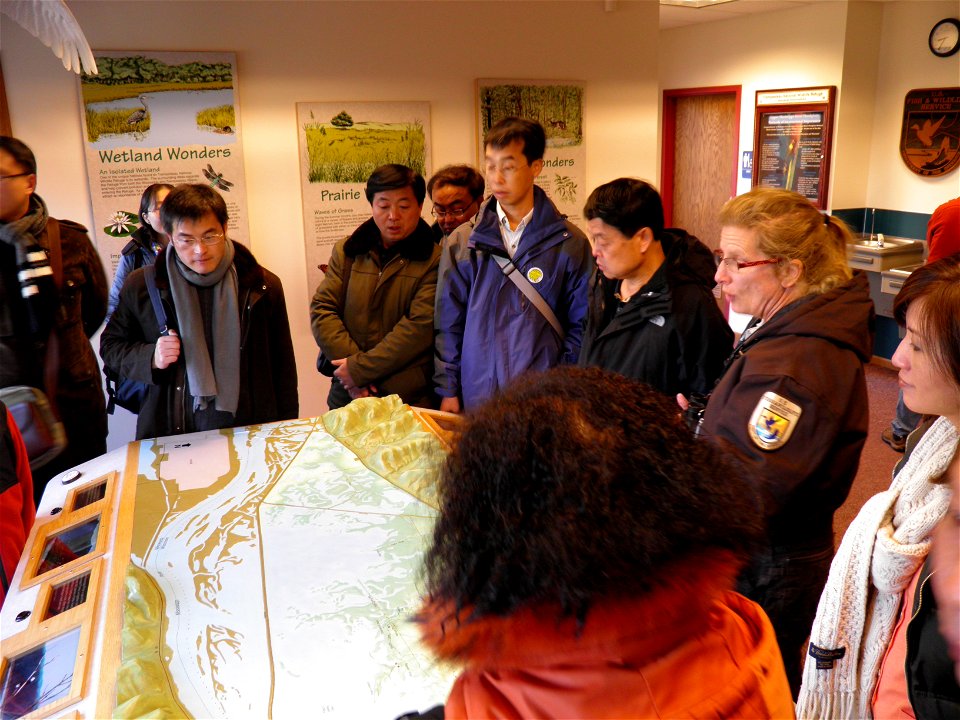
(945, 37)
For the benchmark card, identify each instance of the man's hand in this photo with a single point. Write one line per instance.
(166, 351)
(342, 373)
(450, 405)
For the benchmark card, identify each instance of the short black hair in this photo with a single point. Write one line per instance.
(192, 202)
(577, 484)
(395, 177)
(149, 197)
(19, 151)
(628, 205)
(529, 132)
(464, 176)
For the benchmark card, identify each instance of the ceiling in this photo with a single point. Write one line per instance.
(672, 16)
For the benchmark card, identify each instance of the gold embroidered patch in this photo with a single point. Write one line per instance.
(773, 421)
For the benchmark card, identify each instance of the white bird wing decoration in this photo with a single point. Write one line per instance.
(52, 22)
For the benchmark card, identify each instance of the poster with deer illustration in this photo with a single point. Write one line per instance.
(558, 106)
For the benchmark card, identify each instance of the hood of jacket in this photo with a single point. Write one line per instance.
(844, 316)
(140, 239)
(687, 261)
(417, 246)
(637, 630)
(546, 228)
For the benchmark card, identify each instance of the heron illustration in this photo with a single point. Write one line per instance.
(138, 116)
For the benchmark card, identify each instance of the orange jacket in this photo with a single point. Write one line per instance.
(690, 648)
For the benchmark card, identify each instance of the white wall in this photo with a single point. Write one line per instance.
(800, 47)
(905, 64)
(323, 51)
(874, 52)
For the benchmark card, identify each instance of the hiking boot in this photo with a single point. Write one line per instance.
(897, 442)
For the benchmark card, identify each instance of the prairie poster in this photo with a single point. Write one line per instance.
(558, 106)
(159, 117)
(341, 143)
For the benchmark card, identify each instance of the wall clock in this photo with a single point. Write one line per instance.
(944, 39)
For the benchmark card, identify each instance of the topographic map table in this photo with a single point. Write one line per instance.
(267, 571)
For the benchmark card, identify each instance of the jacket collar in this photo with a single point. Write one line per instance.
(418, 246)
(547, 224)
(637, 629)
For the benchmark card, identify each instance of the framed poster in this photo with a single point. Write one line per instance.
(558, 106)
(792, 136)
(159, 117)
(341, 143)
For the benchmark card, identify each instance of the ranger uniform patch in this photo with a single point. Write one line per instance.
(773, 421)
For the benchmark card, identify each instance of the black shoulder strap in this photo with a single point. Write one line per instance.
(150, 275)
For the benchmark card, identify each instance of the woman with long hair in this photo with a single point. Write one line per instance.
(875, 650)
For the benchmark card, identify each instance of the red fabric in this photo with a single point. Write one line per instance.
(690, 648)
(891, 699)
(943, 231)
(16, 507)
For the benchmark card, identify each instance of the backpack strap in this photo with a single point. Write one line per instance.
(524, 286)
(150, 275)
(51, 363)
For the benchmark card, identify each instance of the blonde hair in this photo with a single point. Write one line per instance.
(788, 226)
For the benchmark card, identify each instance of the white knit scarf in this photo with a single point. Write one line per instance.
(880, 553)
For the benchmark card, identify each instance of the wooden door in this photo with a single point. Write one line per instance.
(700, 157)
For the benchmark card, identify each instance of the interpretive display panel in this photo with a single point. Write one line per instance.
(341, 144)
(267, 571)
(558, 106)
(159, 117)
(792, 137)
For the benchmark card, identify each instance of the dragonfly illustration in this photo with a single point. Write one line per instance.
(216, 179)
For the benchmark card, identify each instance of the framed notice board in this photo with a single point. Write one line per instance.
(792, 135)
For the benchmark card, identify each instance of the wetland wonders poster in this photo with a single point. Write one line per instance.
(159, 117)
(341, 143)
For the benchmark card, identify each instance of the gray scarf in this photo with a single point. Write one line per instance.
(219, 380)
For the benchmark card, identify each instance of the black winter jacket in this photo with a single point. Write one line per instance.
(268, 372)
(83, 303)
(671, 334)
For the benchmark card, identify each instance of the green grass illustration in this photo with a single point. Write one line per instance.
(350, 154)
(112, 122)
(217, 117)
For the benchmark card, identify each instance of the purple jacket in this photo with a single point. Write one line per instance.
(488, 333)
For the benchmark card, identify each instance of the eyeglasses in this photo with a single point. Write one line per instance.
(733, 265)
(16, 175)
(507, 170)
(189, 242)
(452, 212)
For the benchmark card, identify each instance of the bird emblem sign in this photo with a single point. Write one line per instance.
(930, 135)
(773, 421)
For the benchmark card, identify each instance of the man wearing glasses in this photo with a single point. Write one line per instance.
(224, 357)
(456, 192)
(512, 293)
(53, 297)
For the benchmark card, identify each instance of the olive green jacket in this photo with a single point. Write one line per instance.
(385, 329)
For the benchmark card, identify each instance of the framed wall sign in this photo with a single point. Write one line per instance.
(930, 132)
(792, 135)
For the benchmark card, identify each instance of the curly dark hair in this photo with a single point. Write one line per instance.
(576, 484)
